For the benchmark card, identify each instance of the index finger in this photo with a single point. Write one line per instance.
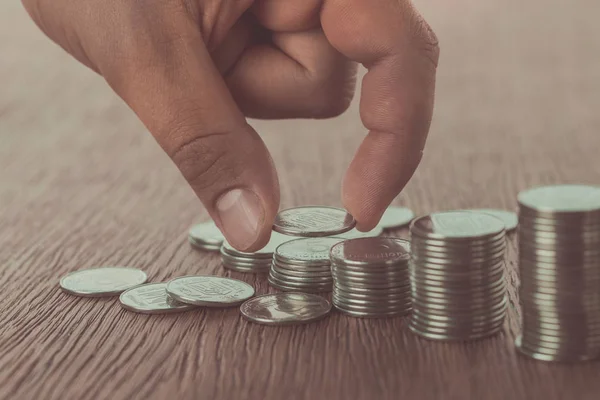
(400, 51)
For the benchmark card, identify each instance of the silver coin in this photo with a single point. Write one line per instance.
(266, 252)
(324, 286)
(368, 251)
(304, 279)
(510, 219)
(355, 233)
(561, 199)
(102, 282)
(313, 221)
(151, 298)
(300, 272)
(457, 225)
(395, 217)
(285, 308)
(308, 288)
(204, 247)
(211, 291)
(306, 250)
(206, 233)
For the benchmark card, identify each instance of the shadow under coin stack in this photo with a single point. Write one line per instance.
(559, 262)
(257, 262)
(457, 276)
(303, 265)
(370, 277)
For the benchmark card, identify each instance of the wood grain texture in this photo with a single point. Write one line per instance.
(82, 184)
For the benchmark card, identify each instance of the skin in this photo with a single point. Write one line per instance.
(193, 70)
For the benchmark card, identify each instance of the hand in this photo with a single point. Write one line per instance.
(192, 70)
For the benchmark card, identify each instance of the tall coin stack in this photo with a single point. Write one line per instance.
(257, 262)
(303, 265)
(371, 277)
(559, 259)
(457, 276)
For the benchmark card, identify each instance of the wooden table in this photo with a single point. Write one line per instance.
(82, 184)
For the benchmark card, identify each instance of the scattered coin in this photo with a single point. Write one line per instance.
(102, 282)
(151, 298)
(510, 219)
(313, 221)
(209, 291)
(286, 308)
(206, 236)
(457, 276)
(396, 217)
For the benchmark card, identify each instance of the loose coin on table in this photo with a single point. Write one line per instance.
(286, 308)
(151, 298)
(206, 236)
(396, 217)
(209, 291)
(102, 282)
(510, 219)
(257, 262)
(313, 221)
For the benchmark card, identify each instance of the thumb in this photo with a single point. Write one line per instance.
(172, 84)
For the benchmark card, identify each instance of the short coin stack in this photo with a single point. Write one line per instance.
(257, 262)
(371, 277)
(457, 276)
(206, 236)
(559, 258)
(303, 264)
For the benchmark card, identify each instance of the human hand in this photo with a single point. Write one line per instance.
(192, 70)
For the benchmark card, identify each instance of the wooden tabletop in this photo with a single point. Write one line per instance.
(82, 184)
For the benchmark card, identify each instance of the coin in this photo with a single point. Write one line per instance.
(313, 221)
(457, 225)
(560, 199)
(151, 298)
(355, 233)
(376, 250)
(102, 282)
(210, 291)
(306, 250)
(395, 217)
(510, 219)
(285, 308)
(206, 236)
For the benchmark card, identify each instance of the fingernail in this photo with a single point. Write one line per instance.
(241, 212)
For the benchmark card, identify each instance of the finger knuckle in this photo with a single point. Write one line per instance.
(426, 38)
(331, 98)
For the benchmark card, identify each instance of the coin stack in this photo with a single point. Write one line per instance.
(371, 277)
(457, 275)
(257, 262)
(303, 264)
(206, 236)
(559, 261)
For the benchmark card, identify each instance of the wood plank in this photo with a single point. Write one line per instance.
(83, 184)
